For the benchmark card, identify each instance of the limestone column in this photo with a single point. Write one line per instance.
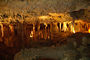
(60, 26)
(55, 27)
(20, 41)
(39, 31)
(2, 30)
(64, 26)
(51, 27)
(22, 34)
(11, 40)
(2, 33)
(25, 25)
(38, 27)
(45, 35)
(34, 36)
(48, 31)
(72, 27)
(11, 28)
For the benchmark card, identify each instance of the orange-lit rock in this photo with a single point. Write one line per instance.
(11, 28)
(89, 30)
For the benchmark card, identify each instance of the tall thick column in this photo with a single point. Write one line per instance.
(55, 27)
(11, 42)
(64, 26)
(2, 33)
(2, 30)
(72, 27)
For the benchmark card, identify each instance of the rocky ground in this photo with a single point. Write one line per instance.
(76, 48)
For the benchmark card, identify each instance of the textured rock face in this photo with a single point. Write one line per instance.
(45, 6)
(83, 14)
(35, 8)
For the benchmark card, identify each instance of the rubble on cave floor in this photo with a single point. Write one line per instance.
(76, 48)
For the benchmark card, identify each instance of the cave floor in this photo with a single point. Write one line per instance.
(8, 53)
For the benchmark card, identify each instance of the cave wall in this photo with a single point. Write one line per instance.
(82, 14)
(45, 6)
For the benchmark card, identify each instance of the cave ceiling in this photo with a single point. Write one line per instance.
(46, 6)
(42, 7)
